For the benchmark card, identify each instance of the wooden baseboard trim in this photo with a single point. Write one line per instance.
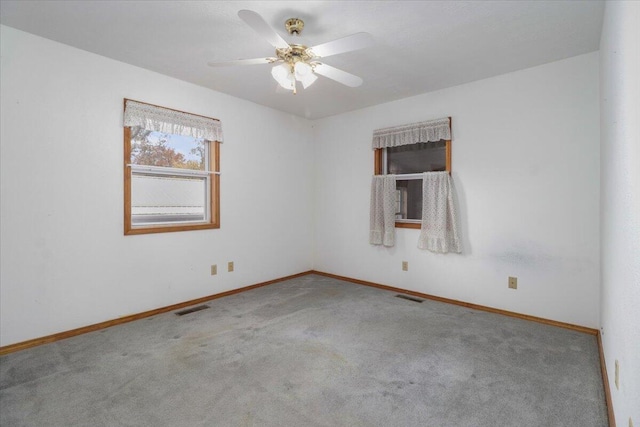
(463, 304)
(605, 383)
(125, 319)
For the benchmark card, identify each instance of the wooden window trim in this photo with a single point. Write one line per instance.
(214, 196)
(377, 170)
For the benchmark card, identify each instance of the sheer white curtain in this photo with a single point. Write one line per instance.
(383, 210)
(439, 230)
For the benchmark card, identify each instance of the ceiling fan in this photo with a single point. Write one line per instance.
(299, 63)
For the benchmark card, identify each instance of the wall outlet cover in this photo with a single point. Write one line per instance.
(513, 283)
(214, 269)
(405, 266)
(230, 266)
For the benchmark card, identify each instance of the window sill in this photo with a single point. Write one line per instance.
(169, 228)
(415, 225)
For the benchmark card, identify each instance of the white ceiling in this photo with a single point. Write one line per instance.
(420, 46)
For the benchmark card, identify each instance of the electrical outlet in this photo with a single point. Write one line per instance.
(405, 266)
(513, 283)
(214, 269)
(617, 375)
(230, 266)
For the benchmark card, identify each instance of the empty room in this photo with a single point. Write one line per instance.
(320, 213)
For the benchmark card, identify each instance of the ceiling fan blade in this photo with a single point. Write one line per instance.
(345, 44)
(243, 62)
(256, 22)
(340, 76)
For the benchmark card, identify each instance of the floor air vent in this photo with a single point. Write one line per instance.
(191, 310)
(407, 297)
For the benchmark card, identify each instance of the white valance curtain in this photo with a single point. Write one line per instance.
(151, 117)
(429, 131)
(439, 230)
(383, 210)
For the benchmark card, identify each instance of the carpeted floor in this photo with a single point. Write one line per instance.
(311, 351)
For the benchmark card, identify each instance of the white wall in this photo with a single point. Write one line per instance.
(620, 203)
(526, 171)
(65, 261)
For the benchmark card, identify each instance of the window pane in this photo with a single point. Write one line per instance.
(409, 199)
(174, 151)
(416, 158)
(162, 199)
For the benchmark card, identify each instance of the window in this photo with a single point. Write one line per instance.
(171, 179)
(408, 161)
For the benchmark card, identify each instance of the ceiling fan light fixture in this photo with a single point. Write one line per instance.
(291, 82)
(304, 74)
(282, 74)
(302, 69)
(308, 80)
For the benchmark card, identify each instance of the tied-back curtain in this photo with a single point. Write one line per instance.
(429, 131)
(439, 230)
(154, 118)
(383, 210)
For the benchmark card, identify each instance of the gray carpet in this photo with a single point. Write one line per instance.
(312, 351)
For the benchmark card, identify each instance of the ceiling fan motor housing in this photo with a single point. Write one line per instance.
(295, 53)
